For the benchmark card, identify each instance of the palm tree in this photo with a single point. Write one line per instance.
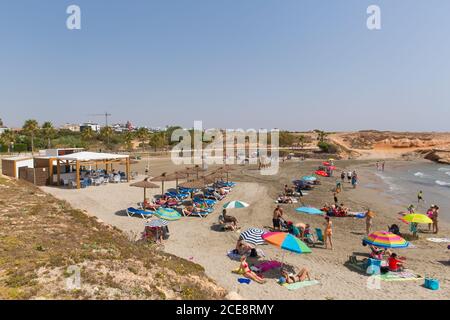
(142, 135)
(48, 132)
(31, 128)
(127, 139)
(87, 134)
(157, 140)
(8, 137)
(106, 133)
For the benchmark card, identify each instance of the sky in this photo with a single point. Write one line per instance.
(288, 64)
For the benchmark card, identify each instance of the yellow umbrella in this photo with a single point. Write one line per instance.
(417, 218)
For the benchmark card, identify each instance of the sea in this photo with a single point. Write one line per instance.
(405, 181)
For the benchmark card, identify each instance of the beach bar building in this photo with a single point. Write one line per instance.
(11, 166)
(85, 159)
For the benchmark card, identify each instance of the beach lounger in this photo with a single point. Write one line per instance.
(144, 214)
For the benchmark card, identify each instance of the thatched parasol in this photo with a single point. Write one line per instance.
(144, 184)
(193, 170)
(162, 178)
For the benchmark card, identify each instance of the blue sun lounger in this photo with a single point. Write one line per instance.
(143, 213)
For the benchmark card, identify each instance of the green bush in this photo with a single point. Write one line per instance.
(327, 147)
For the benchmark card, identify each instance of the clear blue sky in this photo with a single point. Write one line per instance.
(291, 64)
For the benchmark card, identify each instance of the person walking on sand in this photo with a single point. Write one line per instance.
(328, 233)
(435, 219)
(369, 220)
(420, 197)
(342, 176)
(336, 201)
(276, 220)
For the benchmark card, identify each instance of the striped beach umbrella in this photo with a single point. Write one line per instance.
(167, 214)
(253, 236)
(384, 239)
(417, 218)
(310, 210)
(235, 204)
(156, 223)
(286, 241)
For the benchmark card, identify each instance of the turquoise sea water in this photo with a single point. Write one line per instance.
(404, 182)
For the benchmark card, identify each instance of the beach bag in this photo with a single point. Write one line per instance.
(432, 284)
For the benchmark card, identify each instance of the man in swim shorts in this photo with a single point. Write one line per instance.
(276, 220)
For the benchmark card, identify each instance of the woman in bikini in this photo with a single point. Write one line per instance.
(328, 233)
(299, 277)
(247, 272)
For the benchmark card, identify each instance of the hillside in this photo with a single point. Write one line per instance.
(373, 144)
(41, 237)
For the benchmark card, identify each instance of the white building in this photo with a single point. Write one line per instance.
(94, 126)
(3, 129)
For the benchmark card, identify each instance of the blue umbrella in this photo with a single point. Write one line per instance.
(309, 210)
(309, 178)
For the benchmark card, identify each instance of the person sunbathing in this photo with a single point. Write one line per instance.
(302, 275)
(147, 205)
(190, 209)
(245, 270)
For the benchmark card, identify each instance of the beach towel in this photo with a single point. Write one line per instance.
(406, 275)
(298, 285)
(266, 266)
(233, 256)
(439, 240)
(244, 280)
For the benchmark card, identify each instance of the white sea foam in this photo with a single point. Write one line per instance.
(448, 173)
(443, 183)
(443, 169)
(419, 174)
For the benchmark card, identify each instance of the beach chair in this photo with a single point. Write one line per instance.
(144, 214)
(319, 235)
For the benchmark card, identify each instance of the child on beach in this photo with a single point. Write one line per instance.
(395, 264)
(420, 197)
(435, 219)
(369, 220)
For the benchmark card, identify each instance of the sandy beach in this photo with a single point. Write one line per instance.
(197, 240)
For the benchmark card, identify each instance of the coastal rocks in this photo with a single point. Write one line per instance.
(440, 156)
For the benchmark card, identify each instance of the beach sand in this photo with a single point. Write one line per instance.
(195, 238)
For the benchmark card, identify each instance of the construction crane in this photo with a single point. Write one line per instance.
(106, 115)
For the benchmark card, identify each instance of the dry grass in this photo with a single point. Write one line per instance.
(40, 237)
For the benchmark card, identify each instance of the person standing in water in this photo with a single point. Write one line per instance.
(382, 165)
(420, 197)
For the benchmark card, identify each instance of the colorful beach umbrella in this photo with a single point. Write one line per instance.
(167, 214)
(309, 210)
(417, 218)
(309, 178)
(156, 223)
(286, 241)
(253, 236)
(235, 204)
(384, 239)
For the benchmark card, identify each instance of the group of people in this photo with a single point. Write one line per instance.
(392, 261)
(286, 277)
(352, 177)
(380, 165)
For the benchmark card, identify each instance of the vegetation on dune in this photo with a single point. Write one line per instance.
(42, 237)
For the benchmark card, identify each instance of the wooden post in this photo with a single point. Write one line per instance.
(128, 169)
(58, 172)
(78, 174)
(50, 171)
